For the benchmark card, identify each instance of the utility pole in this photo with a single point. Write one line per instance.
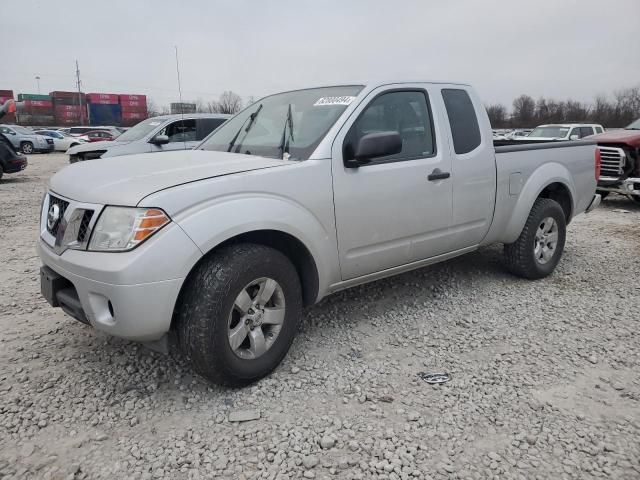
(38, 80)
(79, 84)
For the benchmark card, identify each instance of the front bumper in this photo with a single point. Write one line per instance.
(118, 293)
(629, 186)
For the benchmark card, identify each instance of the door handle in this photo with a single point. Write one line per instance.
(437, 174)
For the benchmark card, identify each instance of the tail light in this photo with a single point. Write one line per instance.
(598, 163)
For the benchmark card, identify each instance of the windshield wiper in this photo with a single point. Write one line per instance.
(284, 140)
(251, 119)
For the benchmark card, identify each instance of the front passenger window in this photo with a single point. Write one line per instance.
(181, 131)
(405, 112)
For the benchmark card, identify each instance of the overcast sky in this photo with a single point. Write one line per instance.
(557, 48)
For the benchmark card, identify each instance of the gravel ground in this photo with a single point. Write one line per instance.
(545, 376)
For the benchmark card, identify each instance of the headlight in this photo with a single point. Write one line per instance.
(123, 228)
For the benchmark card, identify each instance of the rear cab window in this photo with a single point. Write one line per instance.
(463, 120)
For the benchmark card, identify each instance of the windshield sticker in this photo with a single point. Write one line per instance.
(344, 100)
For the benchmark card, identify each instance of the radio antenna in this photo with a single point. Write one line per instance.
(184, 140)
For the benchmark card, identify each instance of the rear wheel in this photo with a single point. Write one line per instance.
(239, 313)
(27, 148)
(537, 251)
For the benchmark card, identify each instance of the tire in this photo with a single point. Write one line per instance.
(603, 194)
(636, 199)
(1, 172)
(524, 256)
(27, 148)
(209, 309)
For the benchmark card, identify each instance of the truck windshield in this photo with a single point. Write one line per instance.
(287, 125)
(140, 130)
(634, 126)
(550, 132)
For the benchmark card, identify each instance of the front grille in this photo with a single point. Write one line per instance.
(84, 225)
(613, 161)
(62, 206)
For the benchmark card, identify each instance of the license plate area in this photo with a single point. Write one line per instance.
(50, 284)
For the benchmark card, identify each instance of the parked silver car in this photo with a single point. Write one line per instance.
(25, 140)
(158, 134)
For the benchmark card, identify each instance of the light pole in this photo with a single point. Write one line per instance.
(38, 80)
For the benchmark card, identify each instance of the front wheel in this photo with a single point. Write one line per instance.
(537, 251)
(239, 313)
(27, 148)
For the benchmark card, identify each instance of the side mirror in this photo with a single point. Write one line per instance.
(574, 137)
(374, 145)
(160, 140)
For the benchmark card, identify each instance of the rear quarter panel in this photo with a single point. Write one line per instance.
(523, 173)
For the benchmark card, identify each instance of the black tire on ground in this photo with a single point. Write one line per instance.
(208, 298)
(604, 194)
(26, 147)
(636, 199)
(1, 172)
(519, 255)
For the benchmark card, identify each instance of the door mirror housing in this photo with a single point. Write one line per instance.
(160, 140)
(574, 137)
(374, 145)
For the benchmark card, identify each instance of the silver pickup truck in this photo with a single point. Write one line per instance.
(300, 195)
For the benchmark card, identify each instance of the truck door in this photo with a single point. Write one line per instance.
(473, 167)
(389, 212)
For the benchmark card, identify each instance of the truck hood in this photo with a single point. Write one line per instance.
(93, 146)
(627, 137)
(128, 179)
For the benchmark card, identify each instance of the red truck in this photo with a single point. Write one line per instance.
(620, 157)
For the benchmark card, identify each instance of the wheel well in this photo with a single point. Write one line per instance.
(560, 193)
(290, 246)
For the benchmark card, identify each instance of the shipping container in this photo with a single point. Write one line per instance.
(68, 108)
(135, 98)
(134, 115)
(37, 120)
(69, 100)
(102, 98)
(100, 114)
(59, 94)
(32, 96)
(67, 114)
(134, 109)
(6, 93)
(33, 110)
(134, 103)
(38, 103)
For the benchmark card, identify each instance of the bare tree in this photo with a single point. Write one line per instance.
(497, 115)
(152, 108)
(523, 111)
(229, 103)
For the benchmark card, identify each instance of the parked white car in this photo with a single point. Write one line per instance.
(302, 194)
(61, 142)
(562, 131)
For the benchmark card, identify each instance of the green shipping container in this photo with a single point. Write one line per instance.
(32, 96)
